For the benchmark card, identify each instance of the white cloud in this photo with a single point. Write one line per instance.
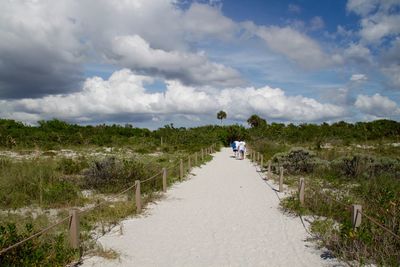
(343, 32)
(135, 53)
(393, 72)
(377, 18)
(362, 7)
(377, 105)
(357, 53)
(125, 93)
(45, 44)
(376, 27)
(358, 77)
(201, 20)
(390, 63)
(273, 103)
(292, 8)
(317, 23)
(295, 45)
(39, 49)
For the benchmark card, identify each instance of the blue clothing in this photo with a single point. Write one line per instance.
(233, 145)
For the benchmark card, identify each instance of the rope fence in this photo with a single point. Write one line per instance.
(45, 230)
(75, 213)
(356, 210)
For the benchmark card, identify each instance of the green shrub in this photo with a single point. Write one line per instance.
(103, 173)
(52, 251)
(60, 192)
(70, 166)
(296, 161)
(111, 174)
(366, 166)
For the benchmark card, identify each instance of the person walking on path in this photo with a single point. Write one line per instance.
(242, 149)
(234, 148)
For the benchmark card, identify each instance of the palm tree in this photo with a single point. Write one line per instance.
(221, 115)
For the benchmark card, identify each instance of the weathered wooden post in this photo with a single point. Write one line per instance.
(164, 180)
(189, 164)
(258, 156)
(261, 162)
(202, 155)
(40, 190)
(74, 228)
(301, 191)
(281, 179)
(195, 159)
(356, 215)
(138, 199)
(181, 170)
(269, 170)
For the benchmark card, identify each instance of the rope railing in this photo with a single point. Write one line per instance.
(45, 230)
(74, 218)
(375, 221)
(355, 211)
(152, 177)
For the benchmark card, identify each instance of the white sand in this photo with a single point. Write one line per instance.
(225, 215)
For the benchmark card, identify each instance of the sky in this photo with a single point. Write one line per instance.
(156, 62)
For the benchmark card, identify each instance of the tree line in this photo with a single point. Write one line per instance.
(56, 133)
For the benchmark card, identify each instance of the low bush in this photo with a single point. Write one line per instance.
(110, 175)
(34, 182)
(60, 193)
(296, 161)
(366, 166)
(70, 166)
(103, 173)
(51, 251)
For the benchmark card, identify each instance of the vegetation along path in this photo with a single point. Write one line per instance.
(224, 215)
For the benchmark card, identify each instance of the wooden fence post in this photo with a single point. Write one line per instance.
(195, 158)
(269, 170)
(181, 170)
(164, 180)
(281, 179)
(356, 215)
(74, 229)
(202, 155)
(40, 191)
(258, 156)
(138, 199)
(189, 164)
(261, 162)
(301, 191)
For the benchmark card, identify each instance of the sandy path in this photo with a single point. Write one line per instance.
(225, 215)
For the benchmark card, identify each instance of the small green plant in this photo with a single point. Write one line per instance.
(51, 251)
(297, 160)
(70, 166)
